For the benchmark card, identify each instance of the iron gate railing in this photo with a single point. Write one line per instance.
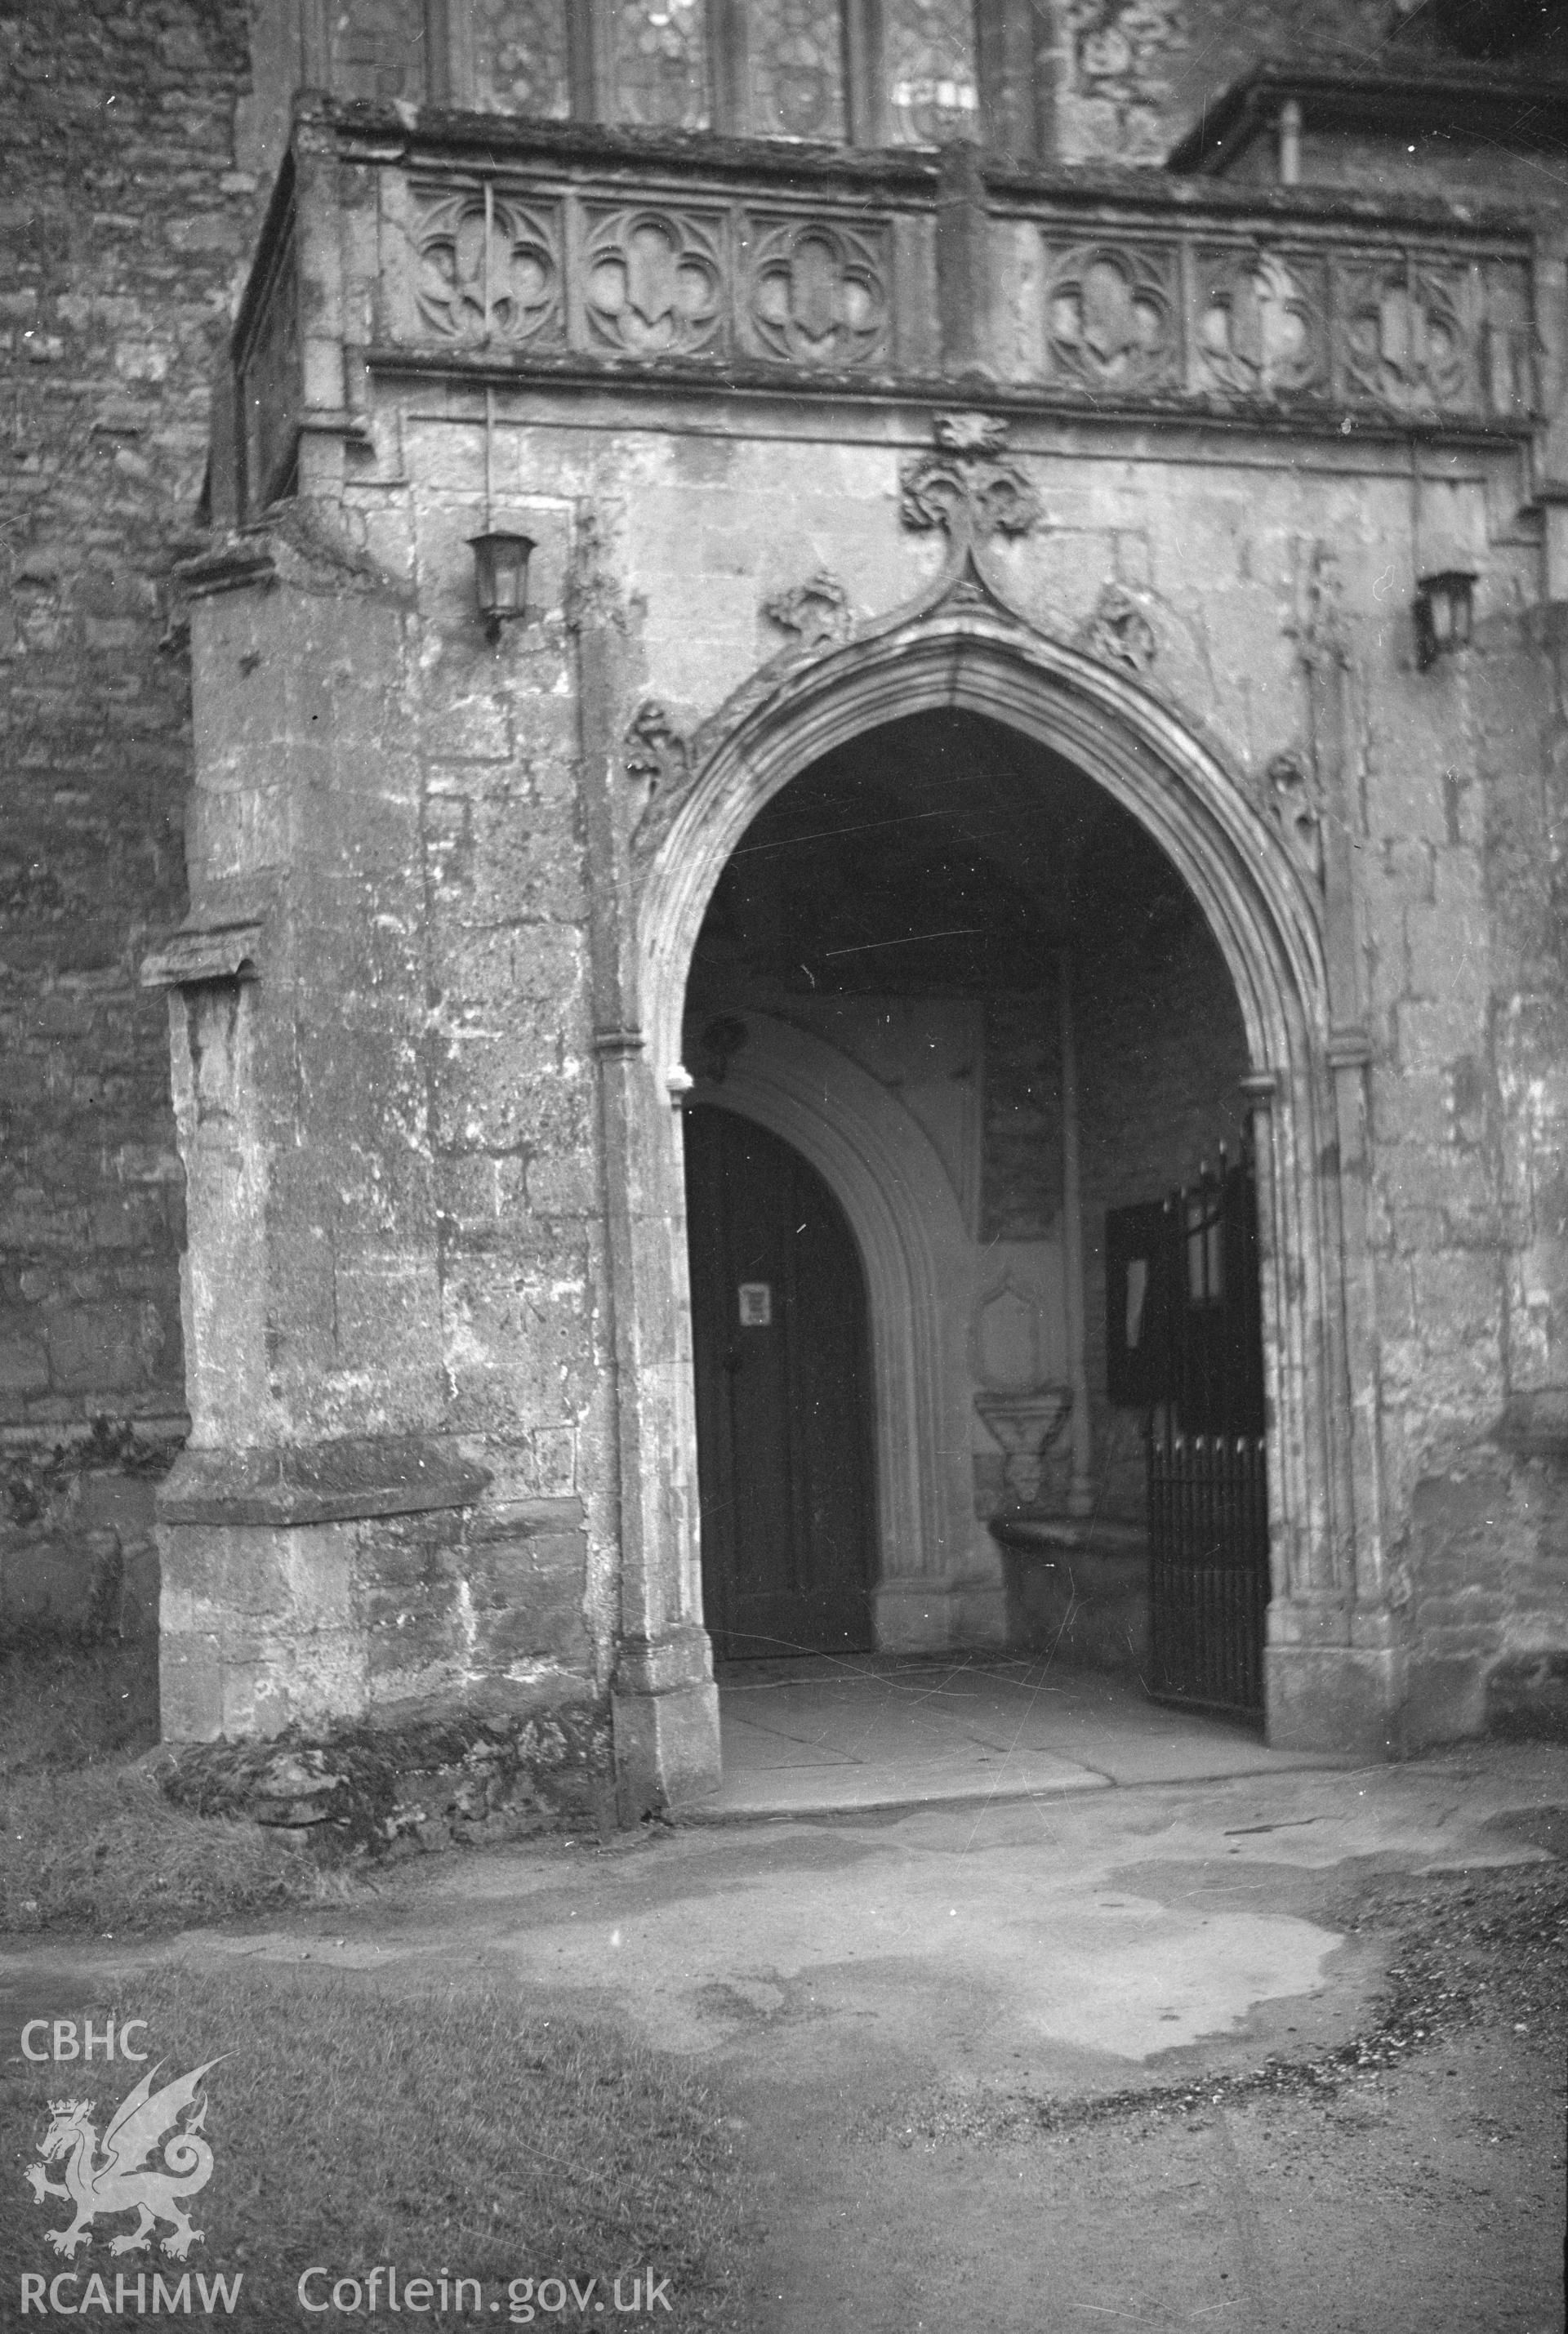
(1193, 1358)
(1207, 1570)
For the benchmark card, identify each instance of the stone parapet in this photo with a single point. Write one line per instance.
(532, 251)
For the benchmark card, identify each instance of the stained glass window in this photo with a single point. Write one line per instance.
(930, 62)
(378, 49)
(662, 62)
(797, 69)
(520, 57)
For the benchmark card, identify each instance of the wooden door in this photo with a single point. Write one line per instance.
(782, 1410)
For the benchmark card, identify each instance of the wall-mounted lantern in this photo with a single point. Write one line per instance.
(1443, 606)
(501, 577)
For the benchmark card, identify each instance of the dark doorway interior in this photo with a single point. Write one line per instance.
(783, 1384)
(939, 900)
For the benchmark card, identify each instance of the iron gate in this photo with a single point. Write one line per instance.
(1191, 1326)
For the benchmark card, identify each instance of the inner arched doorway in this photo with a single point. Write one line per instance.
(782, 1364)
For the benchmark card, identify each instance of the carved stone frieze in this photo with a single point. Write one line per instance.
(818, 291)
(967, 483)
(1112, 311)
(655, 281)
(486, 279)
(1293, 798)
(1409, 334)
(1157, 303)
(1118, 632)
(816, 611)
(1153, 301)
(1262, 323)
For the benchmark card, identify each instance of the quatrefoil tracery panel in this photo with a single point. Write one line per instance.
(1111, 316)
(480, 281)
(1261, 328)
(655, 281)
(1410, 334)
(819, 290)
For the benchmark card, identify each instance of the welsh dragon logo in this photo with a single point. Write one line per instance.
(121, 2180)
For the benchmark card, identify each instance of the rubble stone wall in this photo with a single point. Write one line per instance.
(124, 223)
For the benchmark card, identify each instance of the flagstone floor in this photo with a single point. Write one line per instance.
(870, 1731)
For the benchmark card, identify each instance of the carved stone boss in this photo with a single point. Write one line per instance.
(816, 611)
(966, 485)
(1118, 632)
(657, 760)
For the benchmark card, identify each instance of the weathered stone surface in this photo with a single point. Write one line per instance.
(427, 1133)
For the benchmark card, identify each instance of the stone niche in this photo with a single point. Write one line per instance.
(1022, 1395)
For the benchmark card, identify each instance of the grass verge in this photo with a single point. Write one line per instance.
(456, 2136)
(62, 1705)
(99, 1848)
(88, 1840)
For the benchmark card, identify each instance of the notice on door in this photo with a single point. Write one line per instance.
(755, 1305)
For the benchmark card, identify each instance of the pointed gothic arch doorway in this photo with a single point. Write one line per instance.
(1331, 1663)
(972, 957)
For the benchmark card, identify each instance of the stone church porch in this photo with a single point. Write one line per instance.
(466, 943)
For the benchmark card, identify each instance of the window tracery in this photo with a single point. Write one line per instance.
(906, 73)
(932, 88)
(378, 48)
(520, 57)
(797, 69)
(661, 63)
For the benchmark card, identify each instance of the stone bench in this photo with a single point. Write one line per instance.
(1078, 1586)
